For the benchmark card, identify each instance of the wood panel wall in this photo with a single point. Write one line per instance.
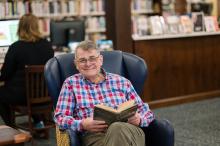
(180, 70)
(218, 8)
(118, 24)
(181, 67)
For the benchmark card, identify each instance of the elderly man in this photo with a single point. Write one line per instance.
(93, 85)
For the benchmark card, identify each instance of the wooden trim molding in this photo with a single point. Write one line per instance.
(218, 8)
(183, 99)
(118, 24)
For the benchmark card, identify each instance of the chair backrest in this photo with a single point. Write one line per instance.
(36, 88)
(58, 68)
(39, 103)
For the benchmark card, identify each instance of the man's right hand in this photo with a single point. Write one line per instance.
(91, 125)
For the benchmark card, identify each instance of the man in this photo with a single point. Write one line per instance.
(91, 86)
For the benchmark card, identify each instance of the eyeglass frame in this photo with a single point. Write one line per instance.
(91, 59)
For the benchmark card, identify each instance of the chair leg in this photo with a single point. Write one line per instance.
(46, 132)
(12, 117)
(30, 124)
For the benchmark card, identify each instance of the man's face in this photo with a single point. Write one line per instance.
(88, 63)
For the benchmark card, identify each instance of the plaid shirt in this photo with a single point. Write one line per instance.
(78, 97)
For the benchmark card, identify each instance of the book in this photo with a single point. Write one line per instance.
(186, 23)
(110, 115)
(156, 27)
(198, 21)
(173, 23)
(211, 24)
(142, 25)
(216, 23)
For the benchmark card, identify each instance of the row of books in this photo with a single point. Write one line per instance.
(95, 23)
(44, 26)
(88, 6)
(41, 8)
(95, 36)
(142, 6)
(159, 25)
(92, 11)
(47, 8)
(92, 24)
(168, 6)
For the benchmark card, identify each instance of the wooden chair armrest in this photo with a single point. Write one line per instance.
(62, 137)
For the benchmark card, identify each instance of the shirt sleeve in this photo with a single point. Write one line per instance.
(9, 65)
(64, 109)
(147, 115)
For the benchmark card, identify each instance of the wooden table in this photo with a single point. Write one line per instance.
(11, 136)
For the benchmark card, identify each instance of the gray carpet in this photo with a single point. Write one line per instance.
(195, 124)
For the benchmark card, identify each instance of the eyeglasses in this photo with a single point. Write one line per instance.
(91, 59)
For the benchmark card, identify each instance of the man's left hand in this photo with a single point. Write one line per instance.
(135, 120)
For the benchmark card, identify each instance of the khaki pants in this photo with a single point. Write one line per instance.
(118, 134)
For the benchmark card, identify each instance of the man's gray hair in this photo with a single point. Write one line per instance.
(86, 46)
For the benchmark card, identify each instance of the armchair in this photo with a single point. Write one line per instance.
(57, 69)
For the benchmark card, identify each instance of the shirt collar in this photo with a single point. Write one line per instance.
(88, 81)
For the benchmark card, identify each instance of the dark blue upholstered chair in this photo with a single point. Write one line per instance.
(57, 69)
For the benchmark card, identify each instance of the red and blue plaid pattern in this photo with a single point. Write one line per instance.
(78, 97)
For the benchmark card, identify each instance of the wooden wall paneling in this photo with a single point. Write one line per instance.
(218, 8)
(180, 7)
(118, 24)
(180, 66)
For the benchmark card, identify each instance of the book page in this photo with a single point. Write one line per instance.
(125, 114)
(110, 115)
(107, 108)
(126, 105)
(121, 107)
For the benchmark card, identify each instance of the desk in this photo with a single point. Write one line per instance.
(11, 136)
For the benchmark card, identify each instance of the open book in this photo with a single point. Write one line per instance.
(110, 115)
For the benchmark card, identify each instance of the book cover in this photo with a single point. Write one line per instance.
(186, 23)
(211, 24)
(155, 25)
(198, 21)
(142, 25)
(173, 23)
(216, 23)
(110, 115)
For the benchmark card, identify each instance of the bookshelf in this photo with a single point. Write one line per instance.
(148, 7)
(141, 10)
(178, 65)
(92, 11)
(118, 24)
(162, 17)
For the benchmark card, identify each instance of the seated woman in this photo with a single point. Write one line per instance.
(30, 49)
